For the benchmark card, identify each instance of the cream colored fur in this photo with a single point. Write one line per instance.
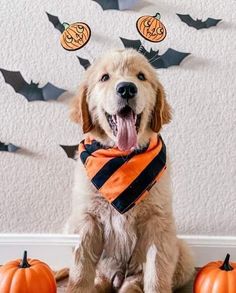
(137, 251)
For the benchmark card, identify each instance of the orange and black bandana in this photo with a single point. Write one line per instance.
(123, 178)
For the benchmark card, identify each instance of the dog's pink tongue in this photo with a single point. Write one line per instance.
(126, 132)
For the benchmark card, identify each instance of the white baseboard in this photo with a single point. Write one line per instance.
(211, 248)
(56, 249)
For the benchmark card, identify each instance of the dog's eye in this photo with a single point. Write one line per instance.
(105, 77)
(141, 76)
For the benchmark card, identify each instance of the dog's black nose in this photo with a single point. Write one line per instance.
(126, 90)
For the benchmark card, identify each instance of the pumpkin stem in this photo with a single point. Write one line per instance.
(24, 264)
(157, 15)
(66, 25)
(226, 265)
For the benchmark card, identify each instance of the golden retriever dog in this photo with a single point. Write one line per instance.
(122, 105)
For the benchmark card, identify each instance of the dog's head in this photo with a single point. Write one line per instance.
(121, 102)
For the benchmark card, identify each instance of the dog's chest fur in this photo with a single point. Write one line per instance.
(120, 232)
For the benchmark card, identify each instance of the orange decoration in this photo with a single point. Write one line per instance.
(151, 28)
(216, 277)
(75, 36)
(27, 276)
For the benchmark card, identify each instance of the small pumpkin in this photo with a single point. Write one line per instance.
(151, 28)
(27, 276)
(216, 277)
(75, 36)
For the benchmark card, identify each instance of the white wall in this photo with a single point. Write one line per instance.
(35, 183)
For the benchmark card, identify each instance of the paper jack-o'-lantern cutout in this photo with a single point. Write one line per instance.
(75, 36)
(151, 28)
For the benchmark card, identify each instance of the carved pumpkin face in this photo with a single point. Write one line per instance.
(75, 36)
(151, 28)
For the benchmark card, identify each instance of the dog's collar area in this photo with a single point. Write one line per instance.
(99, 145)
(123, 178)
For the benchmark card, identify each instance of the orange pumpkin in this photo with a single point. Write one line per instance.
(216, 277)
(27, 276)
(75, 36)
(151, 28)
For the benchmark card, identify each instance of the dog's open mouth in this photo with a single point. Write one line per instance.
(125, 126)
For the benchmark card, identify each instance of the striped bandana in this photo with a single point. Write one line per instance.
(123, 178)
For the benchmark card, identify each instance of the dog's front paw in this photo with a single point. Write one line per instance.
(79, 288)
(131, 289)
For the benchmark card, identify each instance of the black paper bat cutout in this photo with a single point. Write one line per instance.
(11, 148)
(198, 23)
(70, 150)
(56, 22)
(84, 62)
(31, 91)
(116, 4)
(169, 58)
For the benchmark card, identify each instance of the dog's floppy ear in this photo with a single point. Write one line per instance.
(79, 109)
(161, 112)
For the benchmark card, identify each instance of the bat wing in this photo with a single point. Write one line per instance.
(56, 22)
(169, 58)
(108, 4)
(153, 57)
(70, 150)
(33, 93)
(11, 148)
(135, 44)
(186, 18)
(211, 22)
(84, 62)
(3, 147)
(51, 92)
(30, 91)
(16, 80)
